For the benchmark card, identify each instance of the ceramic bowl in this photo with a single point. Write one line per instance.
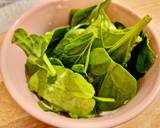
(45, 17)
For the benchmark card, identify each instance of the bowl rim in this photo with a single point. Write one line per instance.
(68, 122)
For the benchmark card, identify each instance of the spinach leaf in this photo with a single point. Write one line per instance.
(142, 57)
(84, 17)
(103, 28)
(146, 57)
(121, 50)
(119, 25)
(99, 23)
(30, 68)
(68, 38)
(97, 43)
(34, 46)
(47, 108)
(79, 68)
(55, 61)
(70, 91)
(80, 17)
(75, 49)
(117, 83)
(54, 37)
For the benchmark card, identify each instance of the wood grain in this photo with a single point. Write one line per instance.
(12, 116)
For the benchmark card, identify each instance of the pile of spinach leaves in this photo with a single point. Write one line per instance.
(88, 66)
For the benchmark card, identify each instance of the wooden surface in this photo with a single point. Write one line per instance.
(12, 116)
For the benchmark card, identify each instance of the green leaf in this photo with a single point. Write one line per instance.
(121, 50)
(55, 61)
(68, 38)
(101, 99)
(103, 28)
(118, 83)
(119, 25)
(75, 49)
(79, 68)
(47, 108)
(49, 65)
(99, 9)
(99, 23)
(54, 37)
(80, 17)
(97, 43)
(33, 45)
(142, 57)
(145, 58)
(30, 69)
(70, 91)
(84, 17)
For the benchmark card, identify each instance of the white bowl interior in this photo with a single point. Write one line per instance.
(45, 18)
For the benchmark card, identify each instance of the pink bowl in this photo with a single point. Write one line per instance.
(45, 17)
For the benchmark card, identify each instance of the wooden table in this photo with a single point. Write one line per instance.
(12, 116)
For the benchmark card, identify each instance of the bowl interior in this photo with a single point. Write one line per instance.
(44, 18)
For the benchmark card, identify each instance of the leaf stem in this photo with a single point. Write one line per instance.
(134, 31)
(46, 108)
(104, 4)
(88, 55)
(101, 7)
(102, 99)
(49, 65)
